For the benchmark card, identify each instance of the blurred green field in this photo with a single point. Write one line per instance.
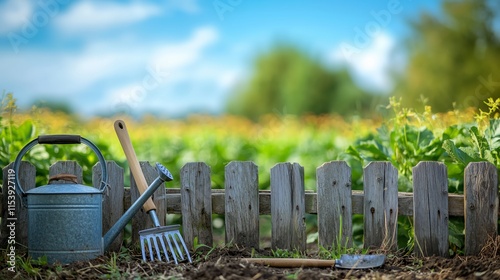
(401, 136)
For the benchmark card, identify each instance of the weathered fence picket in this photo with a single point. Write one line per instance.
(66, 167)
(380, 181)
(481, 203)
(196, 193)
(112, 205)
(334, 204)
(242, 204)
(27, 181)
(430, 204)
(287, 202)
(288, 207)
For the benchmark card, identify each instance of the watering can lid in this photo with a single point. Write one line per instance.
(64, 189)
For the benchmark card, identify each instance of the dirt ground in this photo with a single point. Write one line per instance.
(227, 263)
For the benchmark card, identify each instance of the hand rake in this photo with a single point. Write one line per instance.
(159, 234)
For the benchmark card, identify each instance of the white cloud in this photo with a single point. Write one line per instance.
(178, 55)
(125, 70)
(168, 67)
(96, 15)
(370, 65)
(14, 14)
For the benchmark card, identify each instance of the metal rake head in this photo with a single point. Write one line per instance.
(166, 239)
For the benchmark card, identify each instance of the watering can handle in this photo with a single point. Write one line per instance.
(58, 139)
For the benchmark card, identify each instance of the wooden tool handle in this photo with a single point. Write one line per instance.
(142, 185)
(291, 262)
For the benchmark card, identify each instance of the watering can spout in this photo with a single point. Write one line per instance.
(113, 232)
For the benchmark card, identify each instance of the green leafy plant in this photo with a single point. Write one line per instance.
(284, 253)
(30, 266)
(111, 268)
(202, 251)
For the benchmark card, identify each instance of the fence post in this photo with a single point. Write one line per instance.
(142, 220)
(430, 204)
(196, 200)
(112, 206)
(380, 181)
(334, 204)
(242, 204)
(67, 167)
(288, 207)
(27, 179)
(480, 206)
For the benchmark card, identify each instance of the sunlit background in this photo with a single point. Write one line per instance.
(287, 81)
(176, 57)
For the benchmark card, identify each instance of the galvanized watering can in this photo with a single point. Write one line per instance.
(65, 220)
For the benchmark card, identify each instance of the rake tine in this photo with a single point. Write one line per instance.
(150, 249)
(157, 249)
(181, 255)
(164, 248)
(170, 234)
(143, 249)
(172, 250)
(184, 246)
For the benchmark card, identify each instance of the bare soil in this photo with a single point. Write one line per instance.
(227, 263)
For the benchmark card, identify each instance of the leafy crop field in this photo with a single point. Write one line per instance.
(400, 135)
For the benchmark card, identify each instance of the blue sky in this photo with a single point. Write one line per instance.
(176, 57)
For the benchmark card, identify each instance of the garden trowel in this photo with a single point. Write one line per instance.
(345, 261)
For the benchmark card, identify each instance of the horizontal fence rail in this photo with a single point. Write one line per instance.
(287, 202)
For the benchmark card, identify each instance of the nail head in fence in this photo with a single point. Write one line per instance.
(288, 207)
(196, 198)
(430, 203)
(481, 205)
(112, 205)
(142, 220)
(27, 178)
(242, 204)
(380, 184)
(334, 204)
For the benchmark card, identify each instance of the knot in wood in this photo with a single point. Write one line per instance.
(372, 210)
(472, 206)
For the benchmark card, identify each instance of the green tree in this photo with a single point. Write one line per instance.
(54, 106)
(287, 80)
(453, 57)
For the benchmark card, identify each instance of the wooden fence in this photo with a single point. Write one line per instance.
(287, 202)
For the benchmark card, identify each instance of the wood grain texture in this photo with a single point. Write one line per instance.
(481, 205)
(288, 207)
(430, 203)
(334, 204)
(196, 204)
(26, 175)
(242, 204)
(112, 205)
(380, 181)
(133, 162)
(67, 167)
